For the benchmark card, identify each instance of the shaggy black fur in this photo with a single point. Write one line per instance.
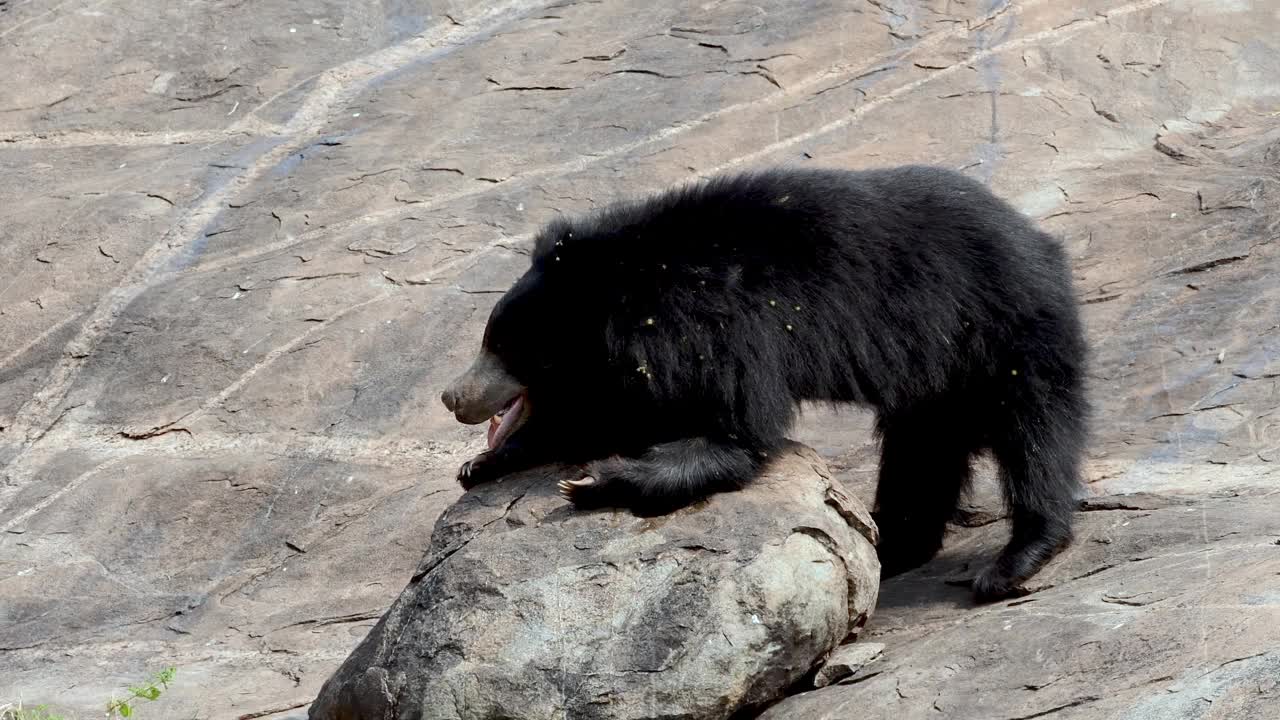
(666, 343)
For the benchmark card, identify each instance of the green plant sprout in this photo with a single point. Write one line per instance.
(18, 712)
(149, 691)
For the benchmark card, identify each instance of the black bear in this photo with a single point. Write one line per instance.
(664, 345)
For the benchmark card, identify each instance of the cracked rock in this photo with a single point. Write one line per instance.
(381, 246)
(526, 608)
(845, 661)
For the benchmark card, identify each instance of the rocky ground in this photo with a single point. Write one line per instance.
(245, 244)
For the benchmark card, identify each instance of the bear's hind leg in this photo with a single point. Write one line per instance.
(924, 466)
(665, 477)
(1040, 472)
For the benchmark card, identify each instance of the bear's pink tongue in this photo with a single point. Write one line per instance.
(505, 422)
(495, 422)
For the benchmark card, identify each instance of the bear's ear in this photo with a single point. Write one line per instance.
(549, 239)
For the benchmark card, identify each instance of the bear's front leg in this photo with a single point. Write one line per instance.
(518, 453)
(666, 477)
(484, 467)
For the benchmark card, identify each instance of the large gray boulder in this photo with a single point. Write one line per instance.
(526, 608)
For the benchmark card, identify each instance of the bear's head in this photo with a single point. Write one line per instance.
(533, 344)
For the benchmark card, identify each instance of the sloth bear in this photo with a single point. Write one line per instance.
(665, 344)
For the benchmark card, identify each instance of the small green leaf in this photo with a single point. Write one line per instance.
(125, 710)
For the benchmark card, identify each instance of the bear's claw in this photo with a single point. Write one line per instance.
(477, 470)
(568, 487)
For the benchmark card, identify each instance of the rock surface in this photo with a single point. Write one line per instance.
(845, 661)
(524, 608)
(1163, 609)
(245, 244)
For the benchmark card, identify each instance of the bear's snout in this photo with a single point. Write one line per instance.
(450, 399)
(484, 390)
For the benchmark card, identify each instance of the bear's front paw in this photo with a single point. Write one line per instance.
(479, 469)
